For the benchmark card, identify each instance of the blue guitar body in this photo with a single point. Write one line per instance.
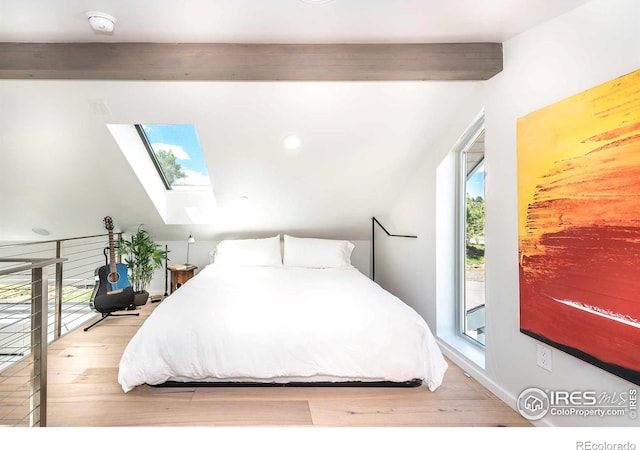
(121, 280)
(123, 277)
(113, 291)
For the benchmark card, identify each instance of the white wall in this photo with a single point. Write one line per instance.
(581, 49)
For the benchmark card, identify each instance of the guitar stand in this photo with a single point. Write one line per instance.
(105, 315)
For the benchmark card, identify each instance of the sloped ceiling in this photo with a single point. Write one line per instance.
(62, 170)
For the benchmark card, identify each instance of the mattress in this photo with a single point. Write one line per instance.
(281, 325)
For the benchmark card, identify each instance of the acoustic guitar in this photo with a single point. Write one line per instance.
(113, 291)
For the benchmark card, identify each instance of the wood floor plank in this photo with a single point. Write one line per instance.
(418, 413)
(138, 413)
(98, 392)
(300, 393)
(451, 390)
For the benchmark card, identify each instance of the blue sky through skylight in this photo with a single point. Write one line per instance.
(182, 142)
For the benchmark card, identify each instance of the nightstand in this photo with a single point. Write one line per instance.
(180, 274)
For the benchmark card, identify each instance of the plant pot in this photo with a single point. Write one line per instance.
(140, 298)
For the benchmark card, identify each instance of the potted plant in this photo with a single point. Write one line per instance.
(142, 256)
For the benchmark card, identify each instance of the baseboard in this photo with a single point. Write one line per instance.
(479, 374)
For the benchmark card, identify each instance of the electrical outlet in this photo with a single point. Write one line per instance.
(544, 357)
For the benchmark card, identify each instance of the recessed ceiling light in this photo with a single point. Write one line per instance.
(40, 231)
(242, 206)
(101, 22)
(292, 142)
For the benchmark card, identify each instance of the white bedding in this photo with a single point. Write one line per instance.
(278, 324)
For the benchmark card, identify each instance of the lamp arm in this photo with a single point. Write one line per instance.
(375, 221)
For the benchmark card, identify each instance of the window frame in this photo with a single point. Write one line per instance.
(467, 140)
(152, 155)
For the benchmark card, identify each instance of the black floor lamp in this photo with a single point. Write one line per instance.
(190, 241)
(374, 221)
(166, 271)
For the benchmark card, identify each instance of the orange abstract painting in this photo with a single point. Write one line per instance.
(579, 225)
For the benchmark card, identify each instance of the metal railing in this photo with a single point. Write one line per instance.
(26, 396)
(45, 292)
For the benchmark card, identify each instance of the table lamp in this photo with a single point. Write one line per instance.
(190, 241)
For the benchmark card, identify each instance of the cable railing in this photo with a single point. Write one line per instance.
(23, 386)
(45, 292)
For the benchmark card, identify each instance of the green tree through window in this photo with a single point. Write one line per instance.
(475, 218)
(170, 166)
(474, 231)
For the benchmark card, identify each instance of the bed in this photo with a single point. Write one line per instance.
(309, 317)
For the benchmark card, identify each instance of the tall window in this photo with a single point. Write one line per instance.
(471, 242)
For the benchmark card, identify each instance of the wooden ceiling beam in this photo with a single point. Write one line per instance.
(250, 62)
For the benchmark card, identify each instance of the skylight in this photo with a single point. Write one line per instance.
(176, 154)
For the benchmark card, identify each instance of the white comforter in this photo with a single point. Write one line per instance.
(270, 324)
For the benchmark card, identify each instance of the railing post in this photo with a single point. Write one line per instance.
(39, 307)
(59, 280)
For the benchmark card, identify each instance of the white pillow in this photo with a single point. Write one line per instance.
(212, 256)
(316, 253)
(249, 252)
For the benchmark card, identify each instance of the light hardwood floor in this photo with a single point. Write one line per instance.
(83, 391)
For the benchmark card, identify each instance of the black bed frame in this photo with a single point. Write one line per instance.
(390, 384)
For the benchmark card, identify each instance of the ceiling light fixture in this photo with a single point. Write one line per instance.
(317, 2)
(292, 142)
(101, 22)
(41, 231)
